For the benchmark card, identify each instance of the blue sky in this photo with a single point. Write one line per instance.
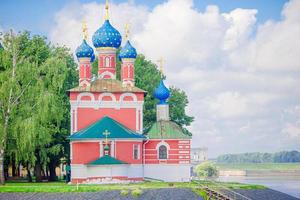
(38, 15)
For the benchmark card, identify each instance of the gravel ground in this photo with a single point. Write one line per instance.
(157, 194)
(264, 194)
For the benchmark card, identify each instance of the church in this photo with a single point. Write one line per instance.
(107, 141)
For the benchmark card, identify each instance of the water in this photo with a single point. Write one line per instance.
(288, 185)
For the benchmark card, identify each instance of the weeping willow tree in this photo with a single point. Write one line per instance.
(38, 123)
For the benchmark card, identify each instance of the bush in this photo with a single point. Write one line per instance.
(124, 192)
(206, 170)
(136, 192)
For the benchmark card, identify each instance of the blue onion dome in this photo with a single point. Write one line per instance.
(107, 36)
(128, 51)
(85, 51)
(162, 93)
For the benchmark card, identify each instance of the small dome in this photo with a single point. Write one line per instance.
(162, 93)
(107, 36)
(85, 51)
(106, 148)
(128, 51)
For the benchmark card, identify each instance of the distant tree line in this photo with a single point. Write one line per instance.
(257, 157)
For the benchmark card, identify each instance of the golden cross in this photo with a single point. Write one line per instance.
(127, 31)
(84, 30)
(106, 133)
(106, 10)
(161, 63)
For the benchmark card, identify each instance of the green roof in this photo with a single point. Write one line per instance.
(107, 160)
(167, 130)
(115, 129)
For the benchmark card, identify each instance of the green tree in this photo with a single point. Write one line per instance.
(206, 170)
(39, 128)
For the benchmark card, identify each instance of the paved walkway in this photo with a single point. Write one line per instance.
(157, 194)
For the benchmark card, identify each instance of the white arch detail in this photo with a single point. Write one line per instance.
(162, 143)
(127, 94)
(83, 94)
(112, 76)
(107, 94)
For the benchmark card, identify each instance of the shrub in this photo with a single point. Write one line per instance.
(206, 170)
(136, 192)
(124, 192)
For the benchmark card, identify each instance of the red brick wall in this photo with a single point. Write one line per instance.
(85, 152)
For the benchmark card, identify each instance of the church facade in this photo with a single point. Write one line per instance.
(107, 141)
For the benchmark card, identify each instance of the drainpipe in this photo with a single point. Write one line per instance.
(144, 151)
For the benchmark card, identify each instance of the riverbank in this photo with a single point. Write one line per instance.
(258, 173)
(259, 166)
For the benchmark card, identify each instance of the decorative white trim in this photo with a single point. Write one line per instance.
(112, 149)
(84, 82)
(141, 120)
(82, 94)
(173, 159)
(138, 151)
(112, 76)
(107, 94)
(75, 120)
(127, 94)
(101, 148)
(162, 143)
(71, 151)
(72, 120)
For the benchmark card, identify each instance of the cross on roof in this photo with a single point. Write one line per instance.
(127, 30)
(161, 63)
(106, 133)
(84, 30)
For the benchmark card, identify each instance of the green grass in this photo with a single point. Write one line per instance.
(62, 187)
(259, 166)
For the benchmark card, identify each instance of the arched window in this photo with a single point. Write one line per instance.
(107, 62)
(162, 152)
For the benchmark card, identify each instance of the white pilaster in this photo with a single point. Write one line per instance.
(112, 148)
(75, 120)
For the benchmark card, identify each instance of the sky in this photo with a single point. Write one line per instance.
(238, 61)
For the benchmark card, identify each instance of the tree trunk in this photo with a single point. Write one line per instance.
(38, 172)
(2, 178)
(38, 167)
(52, 171)
(13, 166)
(29, 173)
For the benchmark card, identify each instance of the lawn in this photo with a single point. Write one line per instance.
(259, 166)
(62, 187)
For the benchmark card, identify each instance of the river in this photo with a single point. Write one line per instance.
(288, 185)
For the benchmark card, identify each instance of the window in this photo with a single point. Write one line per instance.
(107, 61)
(136, 151)
(162, 152)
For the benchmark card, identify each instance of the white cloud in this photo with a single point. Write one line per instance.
(292, 130)
(241, 77)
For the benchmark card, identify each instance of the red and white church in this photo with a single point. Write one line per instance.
(107, 140)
